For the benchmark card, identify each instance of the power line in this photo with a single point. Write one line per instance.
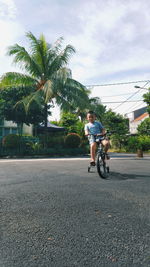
(137, 92)
(119, 83)
(136, 106)
(115, 95)
(122, 102)
(127, 99)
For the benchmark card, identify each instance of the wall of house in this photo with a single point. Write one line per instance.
(9, 124)
(9, 127)
(133, 125)
(27, 129)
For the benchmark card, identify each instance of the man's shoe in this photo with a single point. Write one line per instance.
(92, 163)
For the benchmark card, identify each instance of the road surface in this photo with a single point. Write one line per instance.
(54, 213)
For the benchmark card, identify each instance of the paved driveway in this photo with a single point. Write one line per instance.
(55, 213)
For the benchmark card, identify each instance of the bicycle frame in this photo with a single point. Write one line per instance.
(102, 168)
(100, 151)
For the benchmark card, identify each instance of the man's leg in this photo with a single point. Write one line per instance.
(106, 145)
(93, 151)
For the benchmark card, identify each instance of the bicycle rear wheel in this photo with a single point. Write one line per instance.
(102, 169)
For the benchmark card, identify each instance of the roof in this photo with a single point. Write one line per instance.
(51, 127)
(141, 117)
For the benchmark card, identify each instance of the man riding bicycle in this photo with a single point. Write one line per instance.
(92, 129)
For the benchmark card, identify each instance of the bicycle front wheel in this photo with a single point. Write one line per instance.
(102, 169)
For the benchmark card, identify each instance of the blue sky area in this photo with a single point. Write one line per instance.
(111, 38)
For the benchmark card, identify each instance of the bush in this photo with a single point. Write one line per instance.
(138, 142)
(26, 138)
(69, 122)
(144, 142)
(72, 140)
(52, 141)
(11, 141)
(80, 129)
(144, 127)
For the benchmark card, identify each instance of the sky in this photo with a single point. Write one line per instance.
(111, 38)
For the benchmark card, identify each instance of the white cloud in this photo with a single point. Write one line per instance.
(10, 30)
(112, 40)
(111, 37)
(7, 9)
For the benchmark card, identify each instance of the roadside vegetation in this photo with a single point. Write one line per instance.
(45, 78)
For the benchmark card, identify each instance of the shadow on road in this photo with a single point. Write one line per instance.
(126, 176)
(135, 158)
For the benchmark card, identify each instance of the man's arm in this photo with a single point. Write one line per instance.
(86, 132)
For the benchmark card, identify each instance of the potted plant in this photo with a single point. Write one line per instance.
(139, 151)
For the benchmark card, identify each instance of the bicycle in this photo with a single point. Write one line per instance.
(102, 168)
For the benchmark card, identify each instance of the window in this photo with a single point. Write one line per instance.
(14, 131)
(6, 131)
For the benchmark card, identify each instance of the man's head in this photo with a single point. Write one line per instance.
(91, 116)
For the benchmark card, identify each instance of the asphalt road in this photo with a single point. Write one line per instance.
(54, 213)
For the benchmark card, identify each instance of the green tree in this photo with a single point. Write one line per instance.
(93, 104)
(97, 107)
(144, 127)
(69, 122)
(147, 100)
(45, 68)
(9, 97)
(118, 126)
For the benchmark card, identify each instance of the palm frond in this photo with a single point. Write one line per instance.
(48, 91)
(64, 104)
(16, 79)
(74, 83)
(57, 45)
(61, 60)
(53, 51)
(62, 75)
(24, 60)
(72, 93)
(39, 49)
(26, 102)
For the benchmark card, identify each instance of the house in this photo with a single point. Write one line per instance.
(51, 128)
(9, 127)
(138, 116)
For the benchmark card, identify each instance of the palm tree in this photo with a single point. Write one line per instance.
(94, 104)
(45, 68)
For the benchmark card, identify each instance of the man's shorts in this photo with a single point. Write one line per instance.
(92, 139)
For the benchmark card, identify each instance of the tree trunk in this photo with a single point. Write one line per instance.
(45, 118)
(45, 125)
(140, 153)
(35, 130)
(20, 128)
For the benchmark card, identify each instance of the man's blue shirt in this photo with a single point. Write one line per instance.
(94, 128)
